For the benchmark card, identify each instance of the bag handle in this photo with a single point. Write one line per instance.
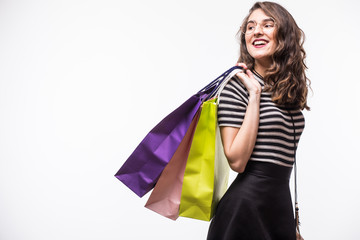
(223, 84)
(215, 84)
(297, 221)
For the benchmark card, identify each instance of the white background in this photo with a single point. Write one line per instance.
(82, 82)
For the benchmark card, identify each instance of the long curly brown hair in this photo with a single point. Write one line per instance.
(286, 77)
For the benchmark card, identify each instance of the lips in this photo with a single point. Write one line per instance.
(259, 42)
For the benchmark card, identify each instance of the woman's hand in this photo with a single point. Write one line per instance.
(298, 236)
(247, 78)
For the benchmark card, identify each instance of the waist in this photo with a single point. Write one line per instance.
(268, 170)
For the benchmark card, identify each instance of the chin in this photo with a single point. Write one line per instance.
(263, 56)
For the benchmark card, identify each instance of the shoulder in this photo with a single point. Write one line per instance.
(234, 90)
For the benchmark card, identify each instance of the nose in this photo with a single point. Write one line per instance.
(258, 30)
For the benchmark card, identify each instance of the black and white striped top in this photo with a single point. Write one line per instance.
(275, 140)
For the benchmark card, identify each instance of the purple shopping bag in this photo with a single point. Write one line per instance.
(142, 169)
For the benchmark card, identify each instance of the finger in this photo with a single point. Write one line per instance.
(249, 73)
(241, 74)
(243, 65)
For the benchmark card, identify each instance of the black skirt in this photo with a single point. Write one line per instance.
(257, 206)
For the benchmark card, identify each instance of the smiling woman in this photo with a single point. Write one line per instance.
(261, 121)
(280, 60)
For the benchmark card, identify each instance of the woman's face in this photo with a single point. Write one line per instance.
(260, 36)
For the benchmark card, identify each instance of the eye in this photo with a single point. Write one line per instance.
(269, 25)
(250, 27)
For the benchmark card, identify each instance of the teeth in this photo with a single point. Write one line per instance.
(259, 43)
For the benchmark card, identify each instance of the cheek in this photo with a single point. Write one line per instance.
(273, 47)
(273, 38)
(248, 43)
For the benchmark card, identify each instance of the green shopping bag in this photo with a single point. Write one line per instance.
(207, 171)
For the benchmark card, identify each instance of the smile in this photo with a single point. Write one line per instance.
(258, 43)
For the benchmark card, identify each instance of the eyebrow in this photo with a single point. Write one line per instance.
(264, 20)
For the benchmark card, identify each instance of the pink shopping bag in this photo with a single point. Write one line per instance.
(165, 198)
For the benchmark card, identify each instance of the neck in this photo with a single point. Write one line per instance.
(262, 66)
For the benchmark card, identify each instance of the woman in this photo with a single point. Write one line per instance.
(261, 123)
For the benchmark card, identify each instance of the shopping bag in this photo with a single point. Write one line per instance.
(165, 197)
(207, 170)
(142, 169)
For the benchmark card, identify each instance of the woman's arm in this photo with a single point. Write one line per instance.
(239, 143)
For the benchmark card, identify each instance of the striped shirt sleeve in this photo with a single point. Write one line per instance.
(233, 101)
